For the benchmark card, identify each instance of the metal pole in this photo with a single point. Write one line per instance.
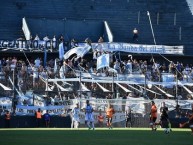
(180, 33)
(175, 19)
(139, 17)
(151, 27)
(13, 100)
(80, 87)
(176, 87)
(157, 18)
(113, 87)
(145, 86)
(13, 82)
(33, 99)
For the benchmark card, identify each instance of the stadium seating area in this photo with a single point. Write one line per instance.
(171, 20)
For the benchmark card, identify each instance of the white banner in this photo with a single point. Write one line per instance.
(103, 61)
(139, 106)
(139, 48)
(30, 110)
(167, 78)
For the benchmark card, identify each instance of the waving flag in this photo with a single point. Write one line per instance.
(61, 51)
(80, 51)
(103, 61)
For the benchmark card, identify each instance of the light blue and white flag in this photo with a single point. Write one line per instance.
(61, 51)
(80, 51)
(103, 61)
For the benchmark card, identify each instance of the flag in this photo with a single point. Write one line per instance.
(55, 67)
(103, 61)
(61, 51)
(80, 51)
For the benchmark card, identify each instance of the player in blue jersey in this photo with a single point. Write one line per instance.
(75, 116)
(89, 119)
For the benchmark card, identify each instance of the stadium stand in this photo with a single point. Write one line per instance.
(172, 24)
(172, 20)
(69, 28)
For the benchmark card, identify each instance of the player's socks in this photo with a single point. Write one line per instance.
(88, 124)
(93, 125)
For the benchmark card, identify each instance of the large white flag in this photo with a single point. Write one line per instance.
(103, 61)
(80, 51)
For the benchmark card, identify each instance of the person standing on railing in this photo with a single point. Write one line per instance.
(135, 35)
(37, 40)
(61, 50)
(53, 43)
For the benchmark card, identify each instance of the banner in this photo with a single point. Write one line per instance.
(103, 61)
(167, 78)
(139, 48)
(139, 106)
(83, 48)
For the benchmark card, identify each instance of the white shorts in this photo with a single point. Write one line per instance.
(76, 119)
(89, 117)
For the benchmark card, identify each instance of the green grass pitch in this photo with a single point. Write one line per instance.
(100, 136)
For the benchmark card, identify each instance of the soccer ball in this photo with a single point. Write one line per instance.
(167, 130)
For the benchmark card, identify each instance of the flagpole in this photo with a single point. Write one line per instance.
(113, 95)
(13, 102)
(80, 87)
(176, 87)
(148, 14)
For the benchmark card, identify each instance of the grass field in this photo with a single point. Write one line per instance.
(100, 136)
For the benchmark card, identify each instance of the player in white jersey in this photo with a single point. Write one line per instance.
(75, 117)
(89, 119)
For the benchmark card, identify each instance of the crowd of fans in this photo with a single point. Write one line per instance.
(30, 74)
(25, 70)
